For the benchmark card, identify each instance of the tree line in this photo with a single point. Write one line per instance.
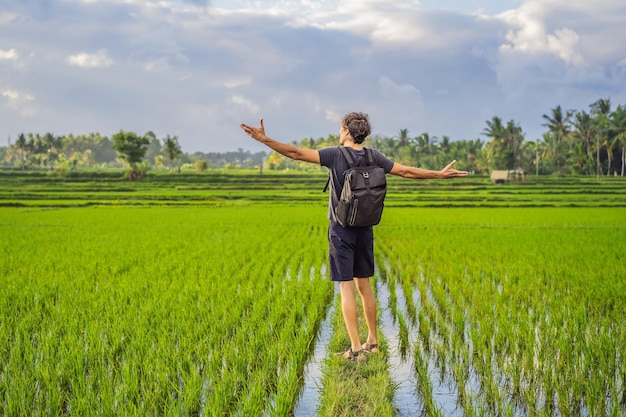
(581, 142)
(585, 142)
(137, 153)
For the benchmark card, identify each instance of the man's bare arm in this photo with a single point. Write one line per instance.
(290, 151)
(424, 174)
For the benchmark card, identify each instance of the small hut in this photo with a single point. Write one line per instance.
(501, 177)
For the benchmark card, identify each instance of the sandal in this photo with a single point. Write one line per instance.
(371, 348)
(351, 355)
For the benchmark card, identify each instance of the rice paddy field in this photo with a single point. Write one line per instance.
(208, 295)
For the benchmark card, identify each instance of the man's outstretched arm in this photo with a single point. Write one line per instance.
(290, 151)
(424, 174)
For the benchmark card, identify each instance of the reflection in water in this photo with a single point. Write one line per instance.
(406, 400)
(307, 405)
(402, 361)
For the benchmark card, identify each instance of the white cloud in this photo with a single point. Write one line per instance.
(391, 88)
(157, 64)
(245, 103)
(560, 52)
(11, 54)
(237, 82)
(564, 44)
(183, 68)
(85, 60)
(333, 116)
(19, 102)
(529, 35)
(6, 18)
(374, 19)
(578, 32)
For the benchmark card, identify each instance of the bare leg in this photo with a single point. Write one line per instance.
(348, 308)
(369, 306)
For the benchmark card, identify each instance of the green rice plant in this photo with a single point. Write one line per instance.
(425, 386)
(393, 299)
(160, 311)
(529, 296)
(177, 296)
(403, 336)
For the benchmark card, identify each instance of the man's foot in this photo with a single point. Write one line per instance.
(369, 347)
(349, 355)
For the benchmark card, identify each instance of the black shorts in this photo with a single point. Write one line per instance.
(350, 252)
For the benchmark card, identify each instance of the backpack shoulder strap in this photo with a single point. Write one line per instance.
(347, 155)
(351, 163)
(370, 156)
(327, 184)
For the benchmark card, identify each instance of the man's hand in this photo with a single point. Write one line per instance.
(290, 151)
(405, 171)
(257, 133)
(450, 172)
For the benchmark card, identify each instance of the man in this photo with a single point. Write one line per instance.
(351, 249)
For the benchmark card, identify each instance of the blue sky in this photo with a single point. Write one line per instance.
(197, 68)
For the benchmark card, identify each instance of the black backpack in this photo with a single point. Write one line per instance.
(363, 194)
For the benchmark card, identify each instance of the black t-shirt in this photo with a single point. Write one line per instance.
(337, 165)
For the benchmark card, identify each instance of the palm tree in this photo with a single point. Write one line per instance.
(403, 138)
(405, 153)
(545, 148)
(577, 158)
(35, 148)
(600, 111)
(505, 142)
(172, 149)
(531, 153)
(425, 149)
(442, 157)
(53, 145)
(444, 146)
(559, 127)
(484, 160)
(423, 143)
(609, 142)
(617, 129)
(21, 145)
(584, 131)
(495, 129)
(558, 122)
(497, 145)
(474, 149)
(461, 150)
(514, 136)
(389, 147)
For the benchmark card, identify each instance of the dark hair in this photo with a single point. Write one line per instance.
(358, 124)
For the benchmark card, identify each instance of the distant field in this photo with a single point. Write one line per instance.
(225, 187)
(203, 295)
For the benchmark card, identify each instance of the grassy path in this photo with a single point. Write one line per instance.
(355, 388)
